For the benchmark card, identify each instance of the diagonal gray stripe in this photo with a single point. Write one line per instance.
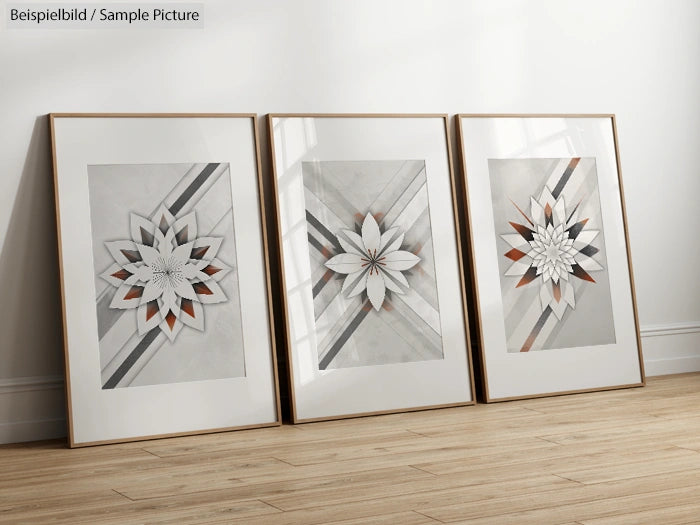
(106, 316)
(564, 178)
(333, 351)
(527, 346)
(321, 282)
(315, 243)
(137, 352)
(318, 287)
(339, 323)
(193, 187)
(323, 231)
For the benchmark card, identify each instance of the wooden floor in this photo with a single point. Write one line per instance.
(619, 457)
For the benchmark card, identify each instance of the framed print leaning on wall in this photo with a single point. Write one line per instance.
(163, 256)
(371, 267)
(550, 256)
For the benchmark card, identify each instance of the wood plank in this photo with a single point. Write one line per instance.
(318, 450)
(558, 460)
(544, 424)
(44, 504)
(392, 488)
(198, 508)
(543, 507)
(371, 480)
(595, 509)
(615, 457)
(673, 514)
(404, 518)
(448, 448)
(657, 465)
(323, 512)
(584, 465)
(439, 452)
(660, 429)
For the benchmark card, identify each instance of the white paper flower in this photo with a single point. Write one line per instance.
(165, 272)
(553, 252)
(555, 246)
(372, 262)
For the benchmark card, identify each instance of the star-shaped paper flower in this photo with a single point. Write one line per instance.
(554, 247)
(372, 262)
(166, 272)
(552, 252)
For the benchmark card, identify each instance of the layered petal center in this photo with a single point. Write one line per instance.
(373, 261)
(166, 272)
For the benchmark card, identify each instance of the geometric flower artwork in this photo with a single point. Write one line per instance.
(372, 262)
(553, 277)
(165, 272)
(373, 274)
(164, 252)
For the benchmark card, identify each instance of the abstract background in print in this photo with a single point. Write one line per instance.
(350, 332)
(554, 283)
(127, 358)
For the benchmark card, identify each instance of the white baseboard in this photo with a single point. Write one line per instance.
(676, 365)
(19, 431)
(33, 408)
(30, 384)
(672, 348)
(669, 329)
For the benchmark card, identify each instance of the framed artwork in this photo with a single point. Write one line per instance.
(165, 285)
(371, 264)
(551, 266)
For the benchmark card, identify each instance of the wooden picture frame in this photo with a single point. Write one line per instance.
(164, 276)
(550, 255)
(371, 271)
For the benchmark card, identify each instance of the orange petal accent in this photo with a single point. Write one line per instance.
(131, 255)
(556, 291)
(198, 253)
(211, 270)
(522, 213)
(582, 274)
(515, 254)
(202, 289)
(151, 309)
(524, 231)
(134, 292)
(187, 307)
(528, 277)
(170, 319)
(122, 274)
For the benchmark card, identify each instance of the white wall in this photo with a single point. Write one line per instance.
(640, 60)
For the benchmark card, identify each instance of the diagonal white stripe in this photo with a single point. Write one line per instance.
(422, 308)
